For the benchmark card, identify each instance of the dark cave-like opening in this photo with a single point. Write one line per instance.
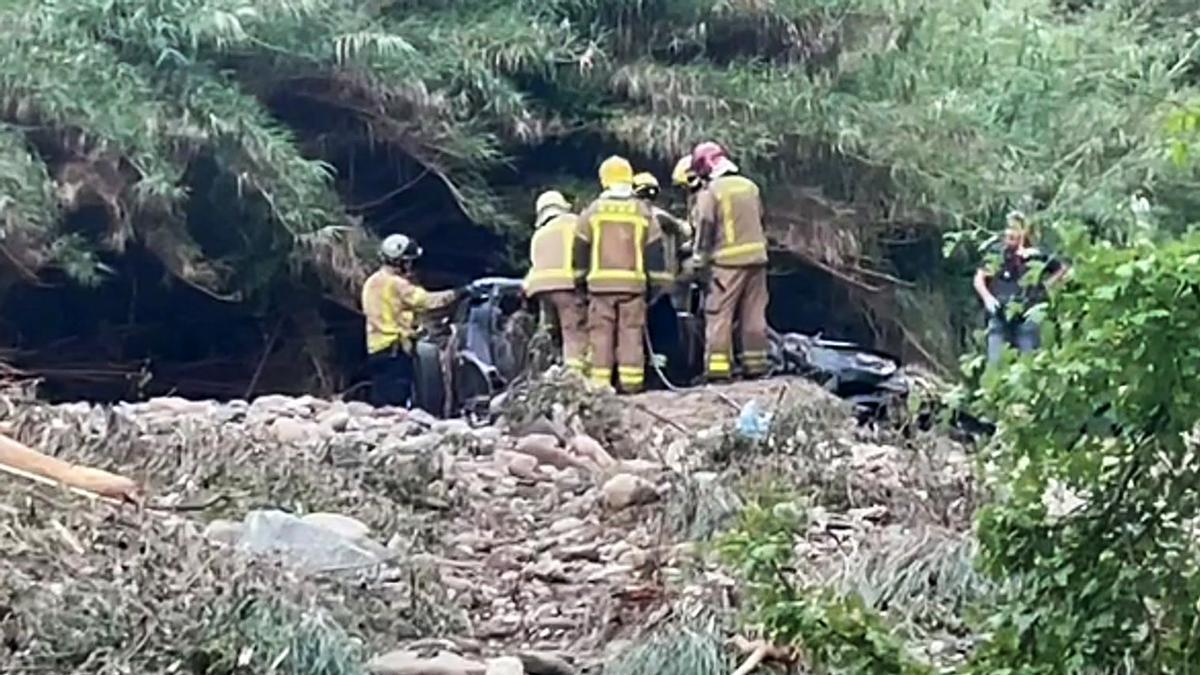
(143, 333)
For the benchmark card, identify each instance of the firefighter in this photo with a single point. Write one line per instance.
(393, 304)
(683, 177)
(731, 250)
(669, 237)
(555, 279)
(612, 237)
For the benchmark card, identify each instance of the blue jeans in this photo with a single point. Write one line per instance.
(1023, 334)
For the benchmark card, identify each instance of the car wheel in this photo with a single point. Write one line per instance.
(429, 392)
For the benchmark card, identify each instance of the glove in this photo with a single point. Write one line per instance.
(695, 269)
(993, 306)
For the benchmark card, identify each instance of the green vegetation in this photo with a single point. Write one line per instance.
(836, 632)
(1094, 463)
(221, 134)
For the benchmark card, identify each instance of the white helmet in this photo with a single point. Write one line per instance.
(551, 199)
(398, 247)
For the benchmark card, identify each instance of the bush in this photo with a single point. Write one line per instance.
(1095, 470)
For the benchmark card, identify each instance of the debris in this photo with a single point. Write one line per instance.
(624, 490)
(306, 546)
(759, 651)
(752, 423)
(344, 526)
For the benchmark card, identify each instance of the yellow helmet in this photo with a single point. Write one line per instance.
(615, 171)
(645, 179)
(645, 185)
(551, 199)
(682, 175)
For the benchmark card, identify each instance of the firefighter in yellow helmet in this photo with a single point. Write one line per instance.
(683, 177)
(732, 247)
(393, 304)
(612, 238)
(667, 244)
(669, 236)
(555, 278)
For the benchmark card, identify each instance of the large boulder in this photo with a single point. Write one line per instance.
(403, 662)
(624, 490)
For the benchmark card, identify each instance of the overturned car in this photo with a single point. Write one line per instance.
(489, 340)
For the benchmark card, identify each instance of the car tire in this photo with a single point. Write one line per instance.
(429, 391)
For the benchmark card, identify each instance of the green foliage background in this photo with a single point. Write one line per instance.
(875, 124)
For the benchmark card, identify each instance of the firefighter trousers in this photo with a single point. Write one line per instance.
(569, 312)
(736, 296)
(616, 323)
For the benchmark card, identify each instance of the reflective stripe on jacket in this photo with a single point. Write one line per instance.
(392, 305)
(729, 212)
(552, 257)
(613, 231)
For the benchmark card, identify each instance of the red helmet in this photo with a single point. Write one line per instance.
(705, 156)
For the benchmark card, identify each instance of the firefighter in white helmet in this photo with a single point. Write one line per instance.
(555, 277)
(393, 304)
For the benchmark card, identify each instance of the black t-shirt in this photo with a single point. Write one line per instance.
(1007, 269)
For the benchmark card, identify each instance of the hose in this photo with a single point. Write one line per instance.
(654, 364)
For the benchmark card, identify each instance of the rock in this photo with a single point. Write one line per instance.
(360, 409)
(293, 431)
(487, 434)
(589, 552)
(517, 464)
(178, 406)
(547, 570)
(416, 415)
(545, 449)
(273, 403)
(624, 490)
(634, 557)
(350, 528)
(563, 525)
(404, 662)
(590, 449)
(640, 467)
(335, 419)
(505, 665)
(451, 427)
(545, 663)
(543, 426)
(223, 531)
(416, 444)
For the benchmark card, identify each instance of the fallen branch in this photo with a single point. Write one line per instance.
(759, 651)
(660, 417)
(20, 460)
